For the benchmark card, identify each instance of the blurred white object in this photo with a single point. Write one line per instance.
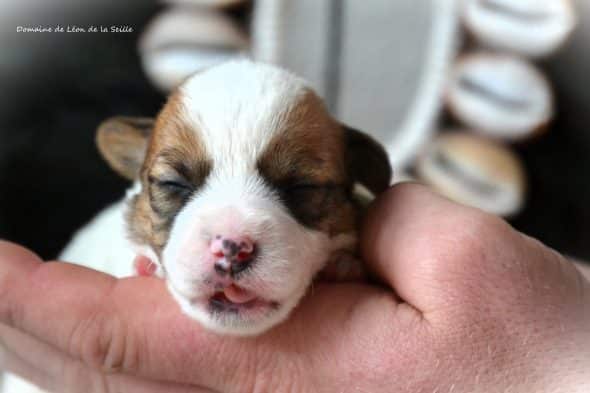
(380, 65)
(182, 41)
(474, 171)
(12, 383)
(207, 3)
(528, 27)
(500, 96)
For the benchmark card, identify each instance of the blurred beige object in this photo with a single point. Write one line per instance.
(474, 171)
(500, 96)
(380, 65)
(527, 27)
(182, 41)
(207, 3)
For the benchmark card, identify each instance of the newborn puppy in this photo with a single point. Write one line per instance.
(243, 192)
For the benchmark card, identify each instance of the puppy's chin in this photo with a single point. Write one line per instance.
(216, 312)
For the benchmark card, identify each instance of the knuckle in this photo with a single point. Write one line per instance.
(101, 342)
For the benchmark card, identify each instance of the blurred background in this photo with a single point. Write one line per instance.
(486, 101)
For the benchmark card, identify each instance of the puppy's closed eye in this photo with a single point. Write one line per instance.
(176, 185)
(168, 194)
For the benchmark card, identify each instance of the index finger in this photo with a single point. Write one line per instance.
(114, 325)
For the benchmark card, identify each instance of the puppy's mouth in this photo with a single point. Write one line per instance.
(235, 299)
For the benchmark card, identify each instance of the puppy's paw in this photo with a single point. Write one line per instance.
(344, 266)
(144, 266)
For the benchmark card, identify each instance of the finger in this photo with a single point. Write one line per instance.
(133, 327)
(114, 325)
(29, 358)
(437, 255)
(18, 375)
(409, 236)
(44, 366)
(428, 248)
(51, 370)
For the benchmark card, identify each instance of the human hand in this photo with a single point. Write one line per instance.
(479, 308)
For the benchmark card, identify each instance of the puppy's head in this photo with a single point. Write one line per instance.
(244, 190)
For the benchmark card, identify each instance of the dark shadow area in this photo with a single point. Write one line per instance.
(52, 179)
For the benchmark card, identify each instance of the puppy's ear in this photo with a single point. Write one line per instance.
(368, 162)
(123, 142)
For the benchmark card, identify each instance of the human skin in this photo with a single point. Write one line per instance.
(467, 304)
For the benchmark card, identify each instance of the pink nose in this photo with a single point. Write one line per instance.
(232, 253)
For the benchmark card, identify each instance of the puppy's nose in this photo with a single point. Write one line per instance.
(233, 253)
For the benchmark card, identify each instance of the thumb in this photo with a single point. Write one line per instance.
(435, 254)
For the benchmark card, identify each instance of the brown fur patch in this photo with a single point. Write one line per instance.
(122, 141)
(305, 163)
(176, 165)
